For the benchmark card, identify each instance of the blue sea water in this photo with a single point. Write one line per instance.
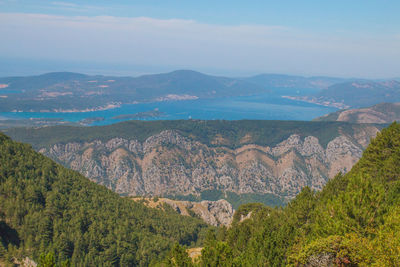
(260, 107)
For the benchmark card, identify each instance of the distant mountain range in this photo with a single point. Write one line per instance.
(290, 81)
(66, 91)
(75, 92)
(380, 113)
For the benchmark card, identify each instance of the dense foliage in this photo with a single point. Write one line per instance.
(53, 214)
(233, 133)
(353, 221)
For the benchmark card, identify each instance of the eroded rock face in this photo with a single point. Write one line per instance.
(171, 164)
(216, 212)
(212, 212)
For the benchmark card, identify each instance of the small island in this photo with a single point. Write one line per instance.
(91, 120)
(140, 115)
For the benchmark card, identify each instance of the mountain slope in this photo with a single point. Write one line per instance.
(362, 93)
(288, 81)
(206, 159)
(192, 82)
(46, 208)
(380, 113)
(34, 83)
(353, 221)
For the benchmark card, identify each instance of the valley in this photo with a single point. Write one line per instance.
(199, 133)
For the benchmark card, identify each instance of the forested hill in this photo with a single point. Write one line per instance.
(46, 208)
(353, 221)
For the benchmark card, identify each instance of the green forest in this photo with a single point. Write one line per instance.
(353, 221)
(56, 216)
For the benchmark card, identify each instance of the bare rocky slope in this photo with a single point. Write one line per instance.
(380, 113)
(212, 212)
(176, 162)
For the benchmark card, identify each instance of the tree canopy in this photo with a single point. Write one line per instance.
(53, 214)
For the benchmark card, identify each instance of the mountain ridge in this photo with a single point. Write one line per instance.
(76, 91)
(190, 158)
(293, 81)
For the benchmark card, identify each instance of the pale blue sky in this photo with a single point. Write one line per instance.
(308, 37)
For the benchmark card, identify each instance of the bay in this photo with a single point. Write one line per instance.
(258, 107)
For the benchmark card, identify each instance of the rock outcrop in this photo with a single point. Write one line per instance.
(169, 163)
(212, 212)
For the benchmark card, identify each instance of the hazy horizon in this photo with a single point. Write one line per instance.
(308, 38)
(24, 67)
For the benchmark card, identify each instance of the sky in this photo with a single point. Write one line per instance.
(357, 38)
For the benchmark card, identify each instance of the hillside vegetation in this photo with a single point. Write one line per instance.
(353, 221)
(46, 209)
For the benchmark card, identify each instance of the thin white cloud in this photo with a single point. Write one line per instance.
(72, 7)
(64, 4)
(144, 40)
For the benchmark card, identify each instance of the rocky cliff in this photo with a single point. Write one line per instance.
(212, 212)
(170, 163)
